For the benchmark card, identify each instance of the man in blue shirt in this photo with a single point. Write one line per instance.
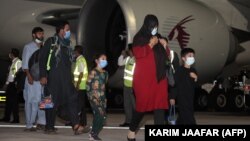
(32, 89)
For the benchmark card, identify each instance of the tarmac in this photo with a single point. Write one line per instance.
(111, 131)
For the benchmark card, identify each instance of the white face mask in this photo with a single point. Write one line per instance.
(154, 31)
(190, 61)
(38, 41)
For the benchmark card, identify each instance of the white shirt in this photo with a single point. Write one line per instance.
(122, 61)
(18, 65)
(81, 65)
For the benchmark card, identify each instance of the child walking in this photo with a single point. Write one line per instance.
(96, 86)
(186, 78)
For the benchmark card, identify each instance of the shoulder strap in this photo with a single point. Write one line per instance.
(34, 58)
(54, 41)
(171, 56)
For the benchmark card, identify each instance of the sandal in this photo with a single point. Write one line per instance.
(78, 130)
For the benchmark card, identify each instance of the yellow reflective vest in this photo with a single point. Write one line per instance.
(129, 71)
(81, 61)
(14, 67)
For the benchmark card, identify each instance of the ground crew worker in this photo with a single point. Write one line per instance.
(11, 91)
(80, 80)
(129, 99)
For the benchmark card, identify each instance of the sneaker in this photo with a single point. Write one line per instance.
(40, 127)
(50, 131)
(94, 137)
(32, 129)
(90, 137)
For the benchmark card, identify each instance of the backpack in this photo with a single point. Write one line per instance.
(34, 65)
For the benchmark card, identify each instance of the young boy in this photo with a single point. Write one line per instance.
(185, 78)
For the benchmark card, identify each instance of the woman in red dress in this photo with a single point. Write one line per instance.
(149, 82)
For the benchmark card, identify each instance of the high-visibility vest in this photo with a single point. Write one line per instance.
(14, 67)
(129, 71)
(81, 60)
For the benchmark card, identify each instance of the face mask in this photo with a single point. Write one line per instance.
(39, 40)
(103, 63)
(190, 61)
(154, 31)
(67, 35)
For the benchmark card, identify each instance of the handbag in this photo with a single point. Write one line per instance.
(172, 116)
(46, 102)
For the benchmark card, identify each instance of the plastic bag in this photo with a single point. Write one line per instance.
(172, 116)
(46, 102)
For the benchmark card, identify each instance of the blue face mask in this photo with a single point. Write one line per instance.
(103, 63)
(67, 35)
(154, 31)
(190, 61)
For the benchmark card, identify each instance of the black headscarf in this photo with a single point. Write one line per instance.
(143, 37)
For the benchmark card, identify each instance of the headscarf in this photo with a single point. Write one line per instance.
(143, 37)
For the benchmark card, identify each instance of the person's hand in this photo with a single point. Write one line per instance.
(30, 79)
(194, 76)
(43, 81)
(172, 101)
(153, 41)
(163, 42)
